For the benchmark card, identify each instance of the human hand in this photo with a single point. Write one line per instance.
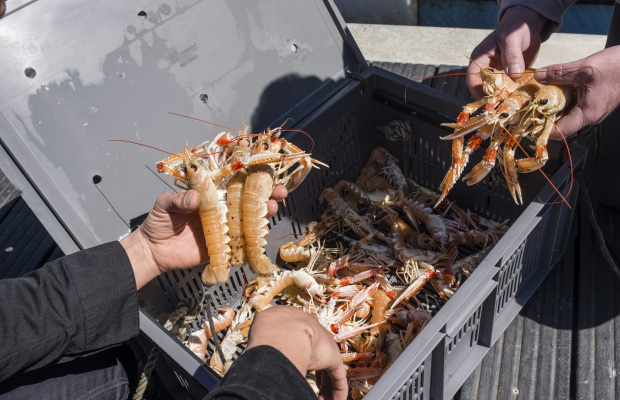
(598, 89)
(171, 236)
(306, 343)
(279, 193)
(511, 47)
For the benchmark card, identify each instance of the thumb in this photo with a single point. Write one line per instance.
(512, 56)
(185, 202)
(574, 73)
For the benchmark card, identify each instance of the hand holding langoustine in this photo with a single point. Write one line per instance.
(169, 238)
(511, 47)
(236, 176)
(192, 172)
(528, 112)
(598, 83)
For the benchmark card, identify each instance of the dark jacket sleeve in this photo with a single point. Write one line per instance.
(552, 10)
(75, 304)
(262, 373)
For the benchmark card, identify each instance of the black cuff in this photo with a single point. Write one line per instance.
(106, 288)
(263, 373)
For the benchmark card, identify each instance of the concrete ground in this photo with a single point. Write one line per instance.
(452, 46)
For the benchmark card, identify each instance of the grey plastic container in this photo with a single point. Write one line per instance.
(69, 85)
(449, 348)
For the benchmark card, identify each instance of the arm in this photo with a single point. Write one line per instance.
(75, 304)
(284, 344)
(88, 300)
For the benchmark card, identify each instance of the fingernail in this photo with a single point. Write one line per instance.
(514, 69)
(188, 199)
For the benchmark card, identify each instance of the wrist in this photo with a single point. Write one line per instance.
(141, 258)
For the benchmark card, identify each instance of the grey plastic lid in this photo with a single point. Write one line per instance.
(76, 74)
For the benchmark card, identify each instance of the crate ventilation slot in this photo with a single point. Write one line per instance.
(473, 325)
(511, 277)
(339, 149)
(531, 259)
(412, 389)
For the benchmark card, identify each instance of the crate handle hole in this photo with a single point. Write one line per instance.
(30, 72)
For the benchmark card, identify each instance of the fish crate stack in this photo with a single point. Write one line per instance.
(262, 61)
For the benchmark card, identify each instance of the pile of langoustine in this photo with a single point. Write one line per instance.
(235, 177)
(512, 110)
(374, 270)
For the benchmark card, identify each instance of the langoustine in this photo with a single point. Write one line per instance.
(512, 111)
(235, 177)
(193, 172)
(372, 290)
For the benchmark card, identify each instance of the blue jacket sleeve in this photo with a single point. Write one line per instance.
(75, 304)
